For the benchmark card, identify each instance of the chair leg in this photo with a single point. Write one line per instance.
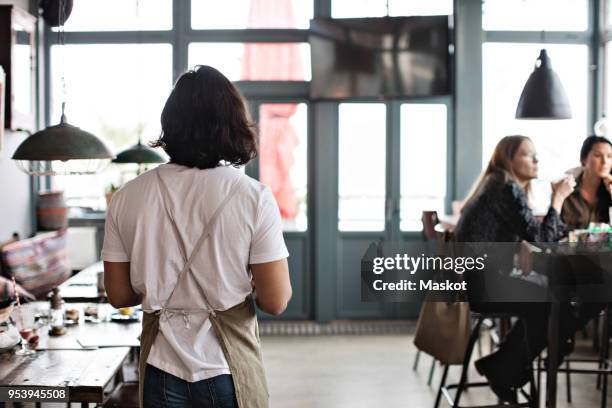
(605, 346)
(432, 369)
(466, 361)
(539, 374)
(534, 395)
(568, 381)
(415, 365)
(604, 391)
(442, 384)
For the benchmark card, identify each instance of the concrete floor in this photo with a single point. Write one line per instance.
(374, 371)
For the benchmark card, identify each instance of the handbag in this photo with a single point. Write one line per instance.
(443, 330)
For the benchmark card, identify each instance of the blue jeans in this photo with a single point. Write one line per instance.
(164, 390)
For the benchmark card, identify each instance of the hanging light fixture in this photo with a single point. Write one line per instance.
(543, 96)
(62, 149)
(139, 154)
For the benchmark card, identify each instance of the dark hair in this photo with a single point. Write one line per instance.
(205, 121)
(588, 144)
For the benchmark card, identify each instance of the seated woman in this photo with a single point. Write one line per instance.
(590, 200)
(498, 210)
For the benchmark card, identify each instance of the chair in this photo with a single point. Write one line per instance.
(429, 220)
(604, 366)
(532, 398)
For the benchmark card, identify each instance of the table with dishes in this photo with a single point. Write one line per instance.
(81, 359)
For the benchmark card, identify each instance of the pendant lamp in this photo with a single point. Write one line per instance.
(543, 96)
(139, 154)
(62, 149)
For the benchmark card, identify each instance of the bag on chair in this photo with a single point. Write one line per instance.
(443, 330)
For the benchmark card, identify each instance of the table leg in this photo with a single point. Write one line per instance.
(553, 354)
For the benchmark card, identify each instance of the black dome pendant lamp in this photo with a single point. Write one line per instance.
(139, 154)
(62, 149)
(543, 96)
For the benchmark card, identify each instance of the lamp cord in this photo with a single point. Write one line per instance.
(61, 41)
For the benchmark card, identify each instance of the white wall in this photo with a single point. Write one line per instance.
(14, 185)
(14, 191)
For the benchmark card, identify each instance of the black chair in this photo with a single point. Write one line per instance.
(532, 398)
(604, 365)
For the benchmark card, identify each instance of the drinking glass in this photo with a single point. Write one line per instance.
(25, 325)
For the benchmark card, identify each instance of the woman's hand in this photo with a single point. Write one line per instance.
(607, 180)
(561, 190)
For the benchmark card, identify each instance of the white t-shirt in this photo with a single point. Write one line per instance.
(138, 230)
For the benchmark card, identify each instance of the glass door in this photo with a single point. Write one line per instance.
(282, 165)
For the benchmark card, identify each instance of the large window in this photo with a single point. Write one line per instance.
(120, 15)
(423, 162)
(254, 61)
(378, 8)
(114, 91)
(122, 56)
(239, 14)
(557, 141)
(283, 144)
(361, 166)
(515, 32)
(535, 15)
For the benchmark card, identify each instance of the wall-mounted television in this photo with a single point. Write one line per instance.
(387, 57)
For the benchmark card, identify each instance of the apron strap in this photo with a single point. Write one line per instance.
(205, 233)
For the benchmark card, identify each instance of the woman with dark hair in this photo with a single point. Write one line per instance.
(498, 210)
(191, 241)
(590, 201)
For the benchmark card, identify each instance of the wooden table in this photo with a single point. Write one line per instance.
(86, 373)
(83, 287)
(86, 359)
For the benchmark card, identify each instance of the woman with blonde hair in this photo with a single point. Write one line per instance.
(498, 210)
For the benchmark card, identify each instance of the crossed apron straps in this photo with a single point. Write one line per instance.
(188, 261)
(236, 328)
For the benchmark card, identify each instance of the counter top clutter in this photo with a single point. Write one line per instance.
(85, 361)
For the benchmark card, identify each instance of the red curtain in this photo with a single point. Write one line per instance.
(275, 62)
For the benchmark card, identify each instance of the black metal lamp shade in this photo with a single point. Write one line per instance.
(62, 142)
(140, 154)
(543, 96)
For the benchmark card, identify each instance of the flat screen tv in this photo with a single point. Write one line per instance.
(387, 57)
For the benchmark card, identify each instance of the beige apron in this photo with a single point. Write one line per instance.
(236, 328)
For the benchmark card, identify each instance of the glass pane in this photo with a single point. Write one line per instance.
(362, 163)
(378, 8)
(115, 92)
(239, 14)
(423, 162)
(283, 141)
(254, 61)
(506, 67)
(608, 82)
(535, 15)
(120, 15)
